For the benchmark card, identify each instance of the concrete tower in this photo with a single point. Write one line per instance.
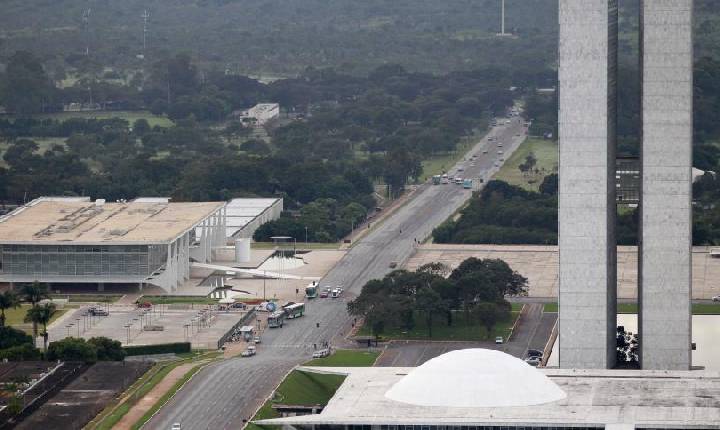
(587, 211)
(588, 58)
(666, 227)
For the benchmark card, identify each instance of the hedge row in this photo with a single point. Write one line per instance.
(163, 348)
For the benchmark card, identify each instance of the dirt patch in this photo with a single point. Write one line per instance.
(86, 396)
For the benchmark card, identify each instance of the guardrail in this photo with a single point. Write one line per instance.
(250, 315)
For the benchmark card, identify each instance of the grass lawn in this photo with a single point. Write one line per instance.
(460, 330)
(299, 388)
(546, 152)
(347, 358)
(631, 308)
(88, 298)
(130, 116)
(15, 318)
(166, 300)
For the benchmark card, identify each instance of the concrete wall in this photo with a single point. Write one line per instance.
(665, 262)
(588, 42)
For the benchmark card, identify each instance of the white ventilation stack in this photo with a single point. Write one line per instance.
(242, 250)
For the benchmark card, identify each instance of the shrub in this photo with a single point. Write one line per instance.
(25, 352)
(107, 349)
(10, 337)
(72, 349)
(164, 348)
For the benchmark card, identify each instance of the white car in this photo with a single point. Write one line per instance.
(716, 299)
(175, 426)
(499, 340)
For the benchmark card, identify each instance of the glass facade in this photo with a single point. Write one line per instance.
(82, 260)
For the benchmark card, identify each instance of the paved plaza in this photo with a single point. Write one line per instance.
(181, 323)
(540, 265)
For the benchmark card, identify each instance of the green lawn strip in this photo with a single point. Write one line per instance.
(169, 394)
(459, 331)
(550, 307)
(516, 307)
(167, 300)
(632, 308)
(113, 414)
(88, 298)
(299, 388)
(547, 158)
(346, 358)
(706, 309)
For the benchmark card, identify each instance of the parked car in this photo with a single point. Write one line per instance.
(144, 304)
(324, 295)
(716, 299)
(176, 426)
(499, 340)
(257, 339)
(98, 312)
(393, 264)
(249, 352)
(322, 353)
(534, 353)
(533, 361)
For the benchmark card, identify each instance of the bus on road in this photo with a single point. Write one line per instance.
(311, 291)
(276, 319)
(295, 310)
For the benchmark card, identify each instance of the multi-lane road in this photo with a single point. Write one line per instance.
(225, 394)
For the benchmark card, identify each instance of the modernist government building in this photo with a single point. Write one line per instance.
(478, 389)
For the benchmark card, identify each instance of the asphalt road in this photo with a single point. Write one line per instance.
(225, 394)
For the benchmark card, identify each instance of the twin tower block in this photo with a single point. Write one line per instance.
(587, 205)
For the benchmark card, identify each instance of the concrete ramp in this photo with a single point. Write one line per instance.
(253, 272)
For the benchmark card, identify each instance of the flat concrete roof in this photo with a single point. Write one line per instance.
(76, 222)
(641, 398)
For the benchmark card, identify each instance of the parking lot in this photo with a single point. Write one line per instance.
(200, 325)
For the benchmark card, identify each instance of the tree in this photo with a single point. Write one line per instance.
(489, 314)
(41, 315)
(34, 293)
(27, 88)
(429, 301)
(108, 349)
(72, 349)
(8, 300)
(141, 127)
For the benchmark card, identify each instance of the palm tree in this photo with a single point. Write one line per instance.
(41, 315)
(8, 300)
(34, 293)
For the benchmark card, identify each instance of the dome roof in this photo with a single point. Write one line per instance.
(475, 378)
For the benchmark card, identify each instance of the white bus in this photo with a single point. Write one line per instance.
(296, 310)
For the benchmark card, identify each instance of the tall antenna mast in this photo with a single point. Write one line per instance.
(145, 17)
(86, 25)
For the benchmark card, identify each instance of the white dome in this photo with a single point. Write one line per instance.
(475, 378)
